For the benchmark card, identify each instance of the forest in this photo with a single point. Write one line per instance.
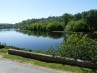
(80, 22)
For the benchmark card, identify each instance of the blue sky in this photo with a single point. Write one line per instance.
(14, 11)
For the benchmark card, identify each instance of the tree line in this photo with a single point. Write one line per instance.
(80, 22)
(2, 26)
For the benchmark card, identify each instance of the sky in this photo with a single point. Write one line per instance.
(14, 11)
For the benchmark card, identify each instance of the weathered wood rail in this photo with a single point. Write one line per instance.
(53, 59)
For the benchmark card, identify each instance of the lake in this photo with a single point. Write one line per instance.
(30, 39)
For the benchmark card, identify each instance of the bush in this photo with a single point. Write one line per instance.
(79, 46)
(50, 51)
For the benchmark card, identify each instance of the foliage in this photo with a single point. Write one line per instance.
(78, 26)
(90, 17)
(55, 26)
(69, 26)
(78, 46)
(42, 24)
(77, 17)
(66, 18)
(80, 22)
(51, 51)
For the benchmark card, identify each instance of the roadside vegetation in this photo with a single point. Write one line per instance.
(77, 46)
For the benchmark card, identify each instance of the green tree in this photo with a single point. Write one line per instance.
(69, 26)
(80, 26)
(90, 18)
(77, 16)
(66, 18)
(76, 26)
(55, 26)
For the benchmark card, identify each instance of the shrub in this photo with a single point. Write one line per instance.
(79, 46)
(50, 51)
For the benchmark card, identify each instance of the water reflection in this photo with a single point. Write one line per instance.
(54, 35)
(30, 39)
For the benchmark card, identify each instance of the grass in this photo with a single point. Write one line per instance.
(75, 69)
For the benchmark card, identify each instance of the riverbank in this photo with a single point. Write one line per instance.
(73, 32)
(62, 67)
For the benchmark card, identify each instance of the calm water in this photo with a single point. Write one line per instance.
(30, 40)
